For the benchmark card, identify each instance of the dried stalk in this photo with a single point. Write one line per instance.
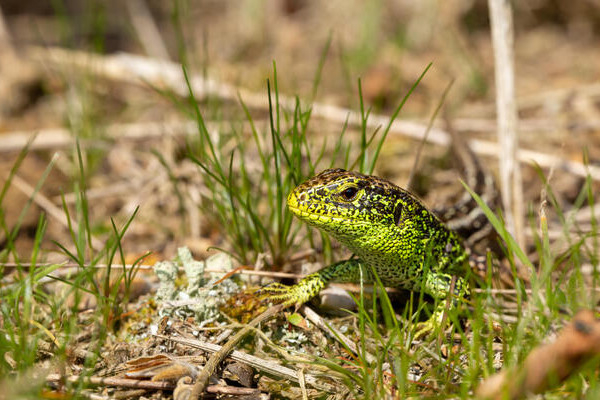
(506, 109)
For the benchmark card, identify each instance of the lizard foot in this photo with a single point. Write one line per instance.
(296, 294)
(438, 320)
(425, 328)
(279, 293)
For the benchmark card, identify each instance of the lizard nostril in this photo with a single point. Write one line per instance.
(302, 197)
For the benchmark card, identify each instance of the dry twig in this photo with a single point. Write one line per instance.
(147, 384)
(506, 110)
(146, 29)
(60, 137)
(68, 268)
(6, 46)
(549, 364)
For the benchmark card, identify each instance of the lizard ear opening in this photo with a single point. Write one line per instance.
(397, 213)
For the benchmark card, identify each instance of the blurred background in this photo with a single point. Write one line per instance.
(59, 78)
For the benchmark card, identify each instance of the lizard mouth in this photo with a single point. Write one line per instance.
(314, 217)
(295, 202)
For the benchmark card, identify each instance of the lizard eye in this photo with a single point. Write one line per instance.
(349, 193)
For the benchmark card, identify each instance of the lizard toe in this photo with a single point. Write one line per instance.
(425, 329)
(288, 295)
(278, 293)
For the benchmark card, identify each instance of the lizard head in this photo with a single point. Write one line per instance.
(339, 201)
(375, 219)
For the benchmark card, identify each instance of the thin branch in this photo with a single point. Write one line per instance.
(69, 267)
(549, 364)
(218, 356)
(146, 384)
(62, 137)
(146, 29)
(6, 46)
(510, 172)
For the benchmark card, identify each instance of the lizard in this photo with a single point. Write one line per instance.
(393, 234)
(388, 229)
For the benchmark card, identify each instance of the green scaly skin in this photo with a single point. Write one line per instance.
(387, 228)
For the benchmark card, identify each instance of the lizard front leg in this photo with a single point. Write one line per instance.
(440, 286)
(311, 285)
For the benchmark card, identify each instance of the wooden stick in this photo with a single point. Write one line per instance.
(62, 137)
(6, 47)
(145, 27)
(147, 384)
(506, 113)
(548, 364)
(69, 267)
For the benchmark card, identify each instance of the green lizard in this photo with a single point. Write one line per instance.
(388, 229)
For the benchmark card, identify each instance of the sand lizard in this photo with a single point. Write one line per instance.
(390, 231)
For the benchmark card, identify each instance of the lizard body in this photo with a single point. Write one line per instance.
(387, 228)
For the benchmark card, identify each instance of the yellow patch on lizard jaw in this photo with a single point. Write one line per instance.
(314, 216)
(292, 201)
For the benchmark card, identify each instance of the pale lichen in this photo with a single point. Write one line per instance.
(201, 298)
